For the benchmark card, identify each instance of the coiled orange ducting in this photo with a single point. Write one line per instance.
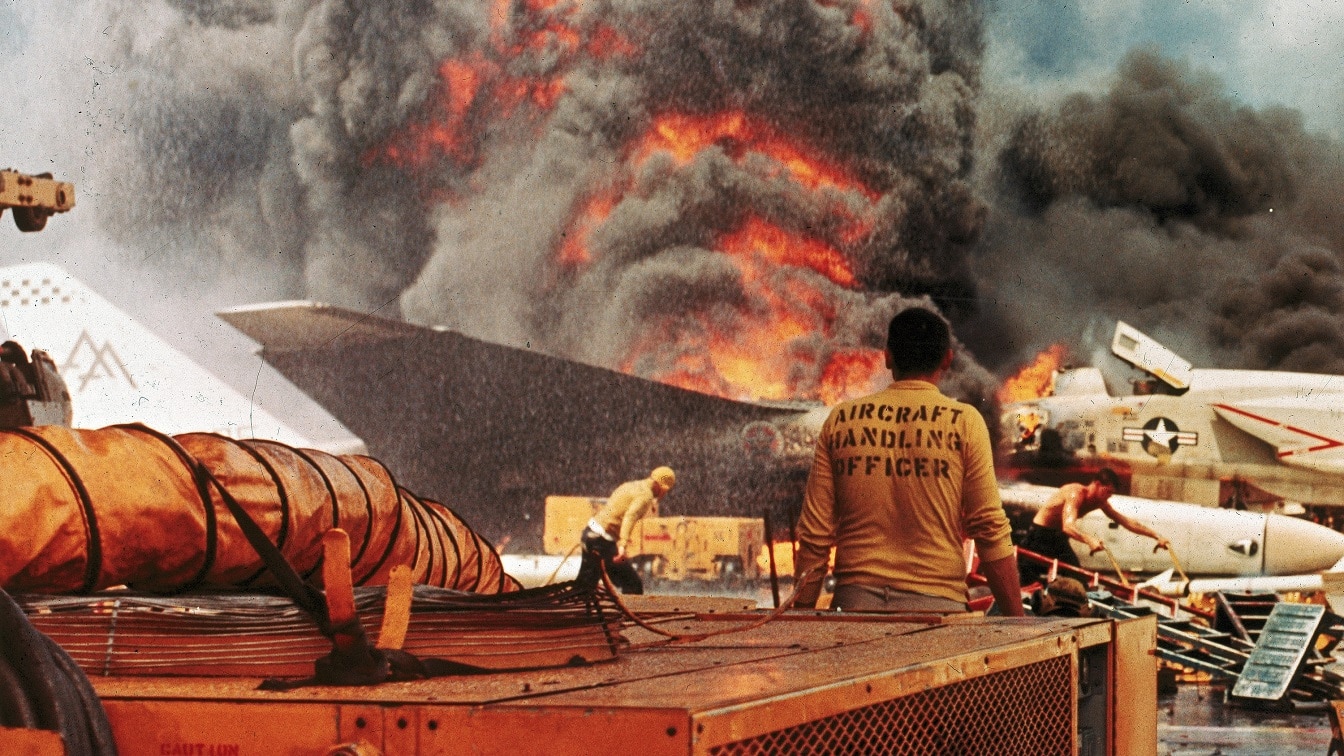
(82, 510)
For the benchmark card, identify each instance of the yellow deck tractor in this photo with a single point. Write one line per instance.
(676, 549)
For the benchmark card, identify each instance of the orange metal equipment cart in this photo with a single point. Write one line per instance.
(807, 682)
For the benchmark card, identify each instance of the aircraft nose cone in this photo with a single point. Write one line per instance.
(1294, 546)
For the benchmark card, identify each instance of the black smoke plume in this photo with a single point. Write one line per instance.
(435, 159)
(1213, 226)
(382, 152)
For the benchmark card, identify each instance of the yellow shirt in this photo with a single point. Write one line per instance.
(898, 478)
(626, 505)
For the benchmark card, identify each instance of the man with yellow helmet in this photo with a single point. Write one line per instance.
(607, 534)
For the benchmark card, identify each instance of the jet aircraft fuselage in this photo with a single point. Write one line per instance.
(1238, 438)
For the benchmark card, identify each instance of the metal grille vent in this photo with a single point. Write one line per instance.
(1026, 710)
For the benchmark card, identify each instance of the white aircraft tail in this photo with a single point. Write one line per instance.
(117, 370)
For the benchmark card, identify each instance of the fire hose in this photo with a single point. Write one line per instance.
(1119, 573)
(41, 687)
(1177, 563)
(670, 637)
(85, 510)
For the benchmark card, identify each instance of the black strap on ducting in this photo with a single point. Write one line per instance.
(42, 688)
(202, 490)
(355, 661)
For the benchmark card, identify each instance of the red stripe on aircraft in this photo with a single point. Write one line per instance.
(1327, 442)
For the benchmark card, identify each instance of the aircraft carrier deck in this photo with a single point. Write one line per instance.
(1194, 721)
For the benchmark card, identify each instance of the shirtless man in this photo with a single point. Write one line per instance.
(1057, 522)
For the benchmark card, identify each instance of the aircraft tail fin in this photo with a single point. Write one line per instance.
(117, 370)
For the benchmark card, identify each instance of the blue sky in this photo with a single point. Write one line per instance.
(1266, 52)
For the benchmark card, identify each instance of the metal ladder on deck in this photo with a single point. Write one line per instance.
(1277, 661)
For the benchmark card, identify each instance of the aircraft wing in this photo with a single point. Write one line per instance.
(492, 429)
(1305, 432)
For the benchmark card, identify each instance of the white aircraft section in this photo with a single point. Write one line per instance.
(1300, 415)
(1080, 382)
(1329, 582)
(118, 371)
(1303, 433)
(1133, 346)
(1206, 540)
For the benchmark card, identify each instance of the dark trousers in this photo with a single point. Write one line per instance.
(599, 552)
(1049, 543)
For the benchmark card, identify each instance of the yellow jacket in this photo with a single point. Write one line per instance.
(626, 506)
(898, 479)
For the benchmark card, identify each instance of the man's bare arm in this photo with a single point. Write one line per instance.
(1005, 584)
(1134, 526)
(1068, 521)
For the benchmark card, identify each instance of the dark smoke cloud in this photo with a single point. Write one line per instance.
(893, 108)
(261, 135)
(1209, 224)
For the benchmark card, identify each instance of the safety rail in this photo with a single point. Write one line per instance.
(1093, 580)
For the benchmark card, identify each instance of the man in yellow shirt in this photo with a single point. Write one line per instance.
(898, 480)
(607, 534)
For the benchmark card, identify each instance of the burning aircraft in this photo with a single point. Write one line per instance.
(727, 198)
(1245, 439)
(492, 430)
(679, 256)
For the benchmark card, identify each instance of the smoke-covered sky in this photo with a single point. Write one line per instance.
(647, 185)
(1175, 165)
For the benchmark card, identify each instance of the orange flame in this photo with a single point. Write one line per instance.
(778, 246)
(447, 132)
(760, 353)
(748, 364)
(478, 87)
(1035, 380)
(574, 249)
(851, 373)
(606, 42)
(861, 15)
(685, 136)
(755, 357)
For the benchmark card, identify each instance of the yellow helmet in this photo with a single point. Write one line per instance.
(664, 476)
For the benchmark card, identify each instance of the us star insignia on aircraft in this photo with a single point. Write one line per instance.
(1162, 432)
